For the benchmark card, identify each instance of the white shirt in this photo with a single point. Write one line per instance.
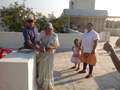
(88, 41)
(76, 50)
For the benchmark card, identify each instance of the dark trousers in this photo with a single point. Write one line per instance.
(90, 67)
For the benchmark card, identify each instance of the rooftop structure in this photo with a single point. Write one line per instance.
(82, 4)
(81, 12)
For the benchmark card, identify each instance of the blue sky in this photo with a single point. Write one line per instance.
(57, 6)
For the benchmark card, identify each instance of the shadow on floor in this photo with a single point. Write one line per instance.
(110, 81)
(58, 77)
(60, 50)
(59, 73)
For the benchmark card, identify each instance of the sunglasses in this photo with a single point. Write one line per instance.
(30, 21)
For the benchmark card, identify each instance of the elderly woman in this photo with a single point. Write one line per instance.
(88, 55)
(48, 43)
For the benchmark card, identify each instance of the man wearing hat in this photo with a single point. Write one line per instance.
(30, 34)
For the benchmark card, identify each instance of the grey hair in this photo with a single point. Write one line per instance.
(48, 25)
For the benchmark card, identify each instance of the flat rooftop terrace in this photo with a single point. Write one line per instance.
(105, 76)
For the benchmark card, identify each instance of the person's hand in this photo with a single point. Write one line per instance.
(37, 49)
(79, 48)
(86, 55)
(93, 51)
(41, 48)
(107, 47)
(49, 48)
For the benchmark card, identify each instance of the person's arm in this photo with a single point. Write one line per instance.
(51, 47)
(41, 47)
(27, 40)
(94, 47)
(80, 45)
(95, 41)
(55, 44)
(32, 45)
(116, 61)
(73, 48)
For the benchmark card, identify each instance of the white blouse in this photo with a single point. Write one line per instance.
(54, 41)
(88, 41)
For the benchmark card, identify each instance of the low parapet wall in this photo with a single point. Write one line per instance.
(11, 39)
(16, 40)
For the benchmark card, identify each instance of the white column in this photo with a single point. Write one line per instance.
(113, 25)
(85, 21)
(69, 22)
(93, 21)
(109, 23)
(104, 23)
(98, 24)
(89, 19)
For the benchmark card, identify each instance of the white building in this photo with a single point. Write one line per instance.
(81, 12)
(82, 4)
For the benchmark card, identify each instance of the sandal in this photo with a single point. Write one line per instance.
(82, 71)
(77, 69)
(89, 75)
(73, 67)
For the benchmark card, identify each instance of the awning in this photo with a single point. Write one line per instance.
(80, 12)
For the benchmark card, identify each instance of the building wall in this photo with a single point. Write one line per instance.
(99, 23)
(82, 4)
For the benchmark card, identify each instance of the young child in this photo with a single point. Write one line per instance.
(76, 54)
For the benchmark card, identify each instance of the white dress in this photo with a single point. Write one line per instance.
(76, 55)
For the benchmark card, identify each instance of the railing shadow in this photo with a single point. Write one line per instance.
(60, 50)
(58, 77)
(109, 81)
